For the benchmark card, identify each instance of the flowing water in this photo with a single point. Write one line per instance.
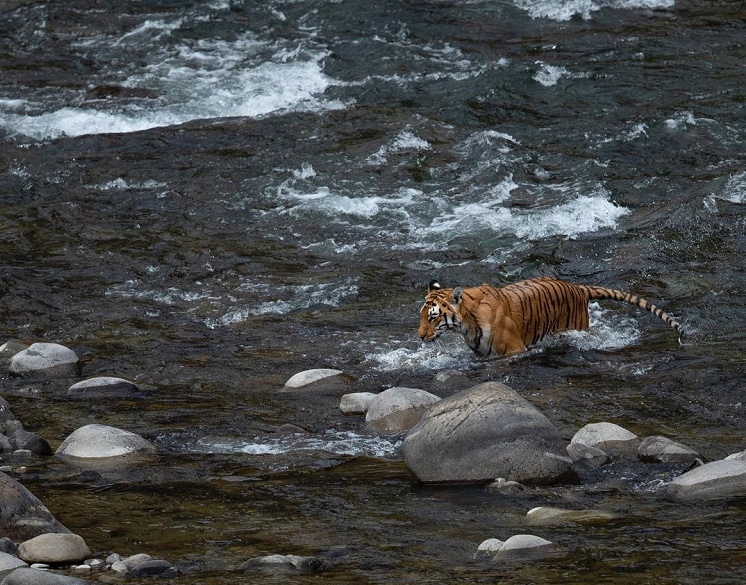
(208, 197)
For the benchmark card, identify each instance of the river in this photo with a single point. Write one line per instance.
(208, 197)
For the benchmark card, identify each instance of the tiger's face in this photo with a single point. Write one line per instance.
(440, 312)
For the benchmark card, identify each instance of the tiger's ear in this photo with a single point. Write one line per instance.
(456, 296)
(434, 285)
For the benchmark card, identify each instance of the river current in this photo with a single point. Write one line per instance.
(208, 197)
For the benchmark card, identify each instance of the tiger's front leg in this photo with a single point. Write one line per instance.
(506, 338)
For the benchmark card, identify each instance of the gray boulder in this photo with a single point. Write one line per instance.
(103, 387)
(664, 450)
(100, 441)
(483, 433)
(28, 576)
(396, 410)
(21, 439)
(725, 478)
(49, 359)
(54, 549)
(22, 515)
(606, 436)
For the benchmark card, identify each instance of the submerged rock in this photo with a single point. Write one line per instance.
(50, 359)
(725, 478)
(283, 562)
(488, 548)
(22, 515)
(483, 433)
(54, 549)
(397, 410)
(356, 402)
(606, 436)
(100, 441)
(523, 546)
(549, 515)
(664, 450)
(103, 387)
(307, 377)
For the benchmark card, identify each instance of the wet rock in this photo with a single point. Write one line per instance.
(397, 410)
(103, 387)
(153, 568)
(483, 433)
(664, 450)
(11, 348)
(549, 515)
(739, 455)
(5, 446)
(488, 548)
(523, 546)
(606, 436)
(29, 576)
(54, 549)
(356, 403)
(725, 478)
(99, 441)
(307, 377)
(22, 515)
(283, 562)
(9, 561)
(8, 421)
(132, 561)
(21, 439)
(505, 487)
(49, 359)
(587, 456)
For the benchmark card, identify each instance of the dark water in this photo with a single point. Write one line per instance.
(207, 198)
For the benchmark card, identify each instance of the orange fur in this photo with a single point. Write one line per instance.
(505, 321)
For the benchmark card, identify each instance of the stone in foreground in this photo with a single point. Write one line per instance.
(483, 433)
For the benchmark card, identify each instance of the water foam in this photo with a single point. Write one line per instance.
(331, 441)
(563, 10)
(735, 188)
(179, 80)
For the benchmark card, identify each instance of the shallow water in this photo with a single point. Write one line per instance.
(207, 198)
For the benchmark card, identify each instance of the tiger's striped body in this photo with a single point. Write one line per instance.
(505, 321)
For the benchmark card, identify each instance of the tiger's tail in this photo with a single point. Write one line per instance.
(601, 293)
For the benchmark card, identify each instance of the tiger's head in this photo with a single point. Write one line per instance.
(440, 312)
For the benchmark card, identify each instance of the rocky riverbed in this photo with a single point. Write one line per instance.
(485, 435)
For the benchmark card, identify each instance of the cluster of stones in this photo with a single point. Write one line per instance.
(488, 433)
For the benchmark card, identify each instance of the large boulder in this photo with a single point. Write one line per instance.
(54, 548)
(483, 433)
(22, 515)
(49, 359)
(100, 441)
(397, 410)
(725, 478)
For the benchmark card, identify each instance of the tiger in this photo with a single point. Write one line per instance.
(507, 320)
